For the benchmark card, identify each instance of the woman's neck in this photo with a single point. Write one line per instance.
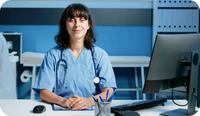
(76, 48)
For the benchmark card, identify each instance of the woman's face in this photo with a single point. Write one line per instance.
(77, 27)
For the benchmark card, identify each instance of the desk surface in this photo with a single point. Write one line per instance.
(24, 108)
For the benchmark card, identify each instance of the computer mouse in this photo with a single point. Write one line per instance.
(126, 113)
(39, 109)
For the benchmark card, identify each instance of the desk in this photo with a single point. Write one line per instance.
(24, 108)
(34, 60)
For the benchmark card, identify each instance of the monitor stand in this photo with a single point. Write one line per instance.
(176, 112)
(192, 90)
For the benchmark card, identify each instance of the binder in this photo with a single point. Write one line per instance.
(159, 18)
(195, 20)
(175, 16)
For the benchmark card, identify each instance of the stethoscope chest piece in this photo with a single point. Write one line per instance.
(96, 80)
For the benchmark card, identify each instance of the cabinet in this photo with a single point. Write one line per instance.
(175, 16)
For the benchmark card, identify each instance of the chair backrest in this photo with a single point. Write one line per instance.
(7, 80)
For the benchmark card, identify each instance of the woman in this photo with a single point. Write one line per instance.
(66, 76)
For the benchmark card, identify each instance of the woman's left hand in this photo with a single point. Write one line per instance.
(79, 103)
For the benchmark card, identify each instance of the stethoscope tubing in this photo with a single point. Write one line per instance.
(95, 69)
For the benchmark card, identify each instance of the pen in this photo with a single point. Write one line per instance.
(107, 92)
(94, 99)
(99, 108)
(111, 97)
(101, 99)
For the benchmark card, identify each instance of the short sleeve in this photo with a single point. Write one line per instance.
(105, 70)
(46, 75)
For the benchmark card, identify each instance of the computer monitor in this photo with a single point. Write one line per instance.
(14, 42)
(175, 63)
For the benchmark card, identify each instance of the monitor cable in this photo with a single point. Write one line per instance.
(173, 100)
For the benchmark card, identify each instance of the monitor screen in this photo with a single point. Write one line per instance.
(174, 63)
(14, 42)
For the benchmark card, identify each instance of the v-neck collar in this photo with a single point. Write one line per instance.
(79, 57)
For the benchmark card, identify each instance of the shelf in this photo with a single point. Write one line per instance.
(175, 16)
(176, 3)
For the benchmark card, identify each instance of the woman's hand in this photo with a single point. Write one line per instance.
(79, 103)
(66, 102)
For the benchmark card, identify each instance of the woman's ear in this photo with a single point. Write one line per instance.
(88, 26)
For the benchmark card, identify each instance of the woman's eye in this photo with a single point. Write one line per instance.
(82, 19)
(70, 20)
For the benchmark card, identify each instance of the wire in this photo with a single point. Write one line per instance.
(174, 100)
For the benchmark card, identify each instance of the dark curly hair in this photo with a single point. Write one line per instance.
(75, 10)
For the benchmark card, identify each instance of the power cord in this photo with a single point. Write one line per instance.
(174, 100)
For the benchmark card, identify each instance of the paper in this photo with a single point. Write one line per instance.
(25, 76)
(59, 108)
(2, 113)
(197, 113)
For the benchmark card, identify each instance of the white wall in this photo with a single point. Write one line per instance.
(197, 1)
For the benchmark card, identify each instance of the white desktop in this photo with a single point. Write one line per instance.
(24, 108)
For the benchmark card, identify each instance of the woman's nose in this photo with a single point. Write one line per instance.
(77, 22)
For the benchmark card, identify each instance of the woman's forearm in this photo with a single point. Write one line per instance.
(51, 97)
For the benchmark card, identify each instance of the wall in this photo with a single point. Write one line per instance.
(121, 29)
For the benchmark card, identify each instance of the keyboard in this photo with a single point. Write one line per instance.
(138, 105)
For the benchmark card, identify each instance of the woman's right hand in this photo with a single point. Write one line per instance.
(51, 97)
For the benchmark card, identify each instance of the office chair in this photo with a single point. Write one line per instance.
(7, 79)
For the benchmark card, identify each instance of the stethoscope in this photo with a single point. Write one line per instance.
(96, 79)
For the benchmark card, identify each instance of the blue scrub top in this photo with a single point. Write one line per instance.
(76, 77)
